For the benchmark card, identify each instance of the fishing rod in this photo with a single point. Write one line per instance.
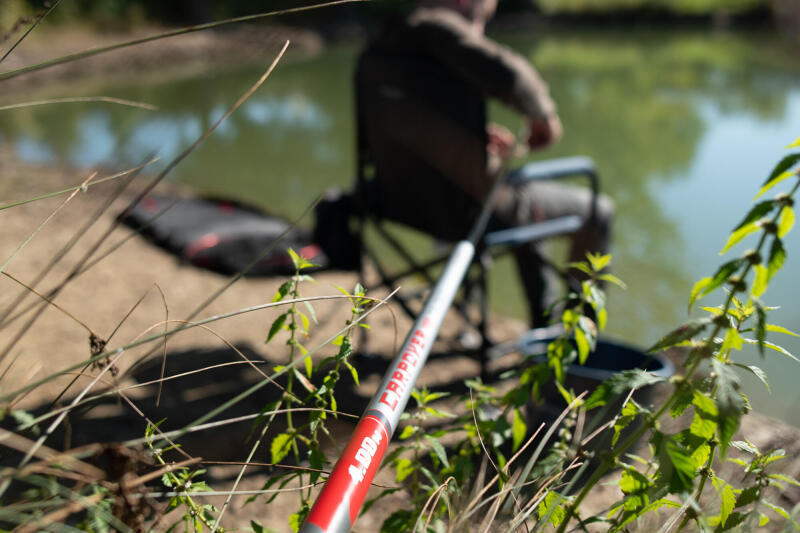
(340, 500)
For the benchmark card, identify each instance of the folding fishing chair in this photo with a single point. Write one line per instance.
(492, 245)
(363, 205)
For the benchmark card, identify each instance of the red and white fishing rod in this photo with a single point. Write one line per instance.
(340, 501)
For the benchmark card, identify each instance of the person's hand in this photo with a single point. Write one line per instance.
(544, 131)
(501, 141)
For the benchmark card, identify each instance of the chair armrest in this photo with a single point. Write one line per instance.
(533, 232)
(553, 169)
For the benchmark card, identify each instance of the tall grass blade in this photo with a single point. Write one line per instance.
(78, 187)
(182, 31)
(49, 217)
(106, 99)
(38, 21)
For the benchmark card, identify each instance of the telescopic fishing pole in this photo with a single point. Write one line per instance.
(340, 501)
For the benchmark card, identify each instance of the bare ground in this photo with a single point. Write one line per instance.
(100, 300)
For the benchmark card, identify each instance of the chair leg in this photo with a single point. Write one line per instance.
(483, 322)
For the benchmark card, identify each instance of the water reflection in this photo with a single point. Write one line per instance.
(682, 125)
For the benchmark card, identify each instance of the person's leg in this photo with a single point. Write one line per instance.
(538, 201)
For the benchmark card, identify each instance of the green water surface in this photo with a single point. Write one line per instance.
(684, 127)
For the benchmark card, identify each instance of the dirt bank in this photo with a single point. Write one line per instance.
(104, 300)
(181, 55)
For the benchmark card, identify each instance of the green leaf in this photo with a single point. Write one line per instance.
(299, 345)
(276, 326)
(760, 281)
(733, 520)
(779, 173)
(296, 259)
(311, 311)
(774, 455)
(680, 469)
(309, 365)
(567, 395)
(727, 498)
(701, 284)
(785, 221)
(777, 508)
(681, 402)
(773, 346)
(729, 401)
(627, 415)
(761, 327)
(551, 507)
(283, 290)
(777, 256)
(631, 482)
(795, 144)
(745, 446)
(748, 496)
(757, 372)
(598, 262)
(280, 447)
(256, 527)
(756, 213)
(406, 433)
(704, 403)
(602, 318)
(582, 266)
(781, 329)
(345, 348)
(353, 371)
(518, 430)
(739, 234)
(304, 320)
(732, 341)
(702, 426)
(402, 520)
(582, 345)
(433, 396)
(295, 521)
(439, 450)
(787, 479)
(683, 333)
(611, 278)
(616, 384)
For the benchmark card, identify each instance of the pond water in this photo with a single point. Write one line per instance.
(684, 127)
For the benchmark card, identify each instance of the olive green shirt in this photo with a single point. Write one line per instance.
(422, 89)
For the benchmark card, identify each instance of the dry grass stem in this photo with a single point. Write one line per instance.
(38, 21)
(82, 188)
(49, 217)
(81, 99)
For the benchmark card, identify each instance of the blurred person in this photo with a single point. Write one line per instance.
(427, 154)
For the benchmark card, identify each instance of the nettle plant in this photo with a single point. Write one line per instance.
(453, 488)
(707, 391)
(302, 441)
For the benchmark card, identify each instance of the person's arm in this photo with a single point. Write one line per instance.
(495, 70)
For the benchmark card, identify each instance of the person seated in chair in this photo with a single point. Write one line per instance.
(428, 156)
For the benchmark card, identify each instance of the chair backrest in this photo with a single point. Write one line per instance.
(421, 139)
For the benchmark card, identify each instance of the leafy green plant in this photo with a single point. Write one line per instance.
(303, 441)
(678, 470)
(183, 480)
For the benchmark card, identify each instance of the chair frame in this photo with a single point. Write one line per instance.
(491, 245)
